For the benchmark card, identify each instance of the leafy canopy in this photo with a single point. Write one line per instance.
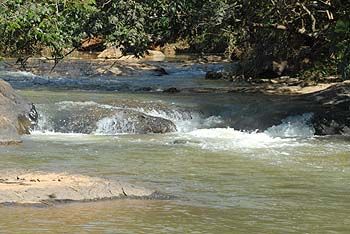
(302, 32)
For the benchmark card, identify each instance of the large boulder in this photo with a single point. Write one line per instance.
(117, 53)
(88, 118)
(332, 110)
(17, 115)
(111, 53)
(154, 55)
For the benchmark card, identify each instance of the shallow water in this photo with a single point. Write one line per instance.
(282, 180)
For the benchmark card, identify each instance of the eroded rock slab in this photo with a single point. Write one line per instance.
(43, 188)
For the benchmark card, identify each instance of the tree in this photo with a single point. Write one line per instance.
(301, 34)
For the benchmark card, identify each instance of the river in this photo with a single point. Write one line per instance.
(219, 180)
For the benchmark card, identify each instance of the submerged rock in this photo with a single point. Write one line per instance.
(172, 90)
(211, 75)
(45, 188)
(219, 75)
(17, 115)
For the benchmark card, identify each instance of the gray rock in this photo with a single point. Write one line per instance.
(17, 115)
(330, 108)
(332, 113)
(91, 118)
(211, 75)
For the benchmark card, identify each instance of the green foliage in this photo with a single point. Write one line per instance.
(342, 46)
(27, 27)
(301, 32)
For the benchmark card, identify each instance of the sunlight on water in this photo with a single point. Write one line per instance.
(282, 180)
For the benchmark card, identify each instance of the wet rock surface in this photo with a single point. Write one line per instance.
(17, 115)
(23, 187)
(330, 110)
(88, 118)
(332, 113)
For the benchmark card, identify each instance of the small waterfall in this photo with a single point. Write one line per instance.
(285, 134)
(102, 119)
(293, 126)
(115, 125)
(44, 124)
(133, 118)
(185, 120)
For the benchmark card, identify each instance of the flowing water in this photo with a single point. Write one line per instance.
(280, 180)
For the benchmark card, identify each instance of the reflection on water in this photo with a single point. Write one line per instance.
(124, 217)
(225, 181)
(168, 217)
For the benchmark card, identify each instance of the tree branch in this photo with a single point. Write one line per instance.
(313, 19)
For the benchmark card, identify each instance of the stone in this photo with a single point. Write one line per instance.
(172, 90)
(8, 132)
(279, 67)
(17, 115)
(111, 53)
(113, 71)
(332, 113)
(211, 75)
(154, 55)
(25, 187)
(88, 119)
(117, 53)
(169, 50)
(160, 71)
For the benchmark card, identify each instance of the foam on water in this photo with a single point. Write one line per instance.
(71, 104)
(193, 126)
(293, 126)
(288, 133)
(114, 125)
(17, 74)
(229, 138)
(185, 121)
(58, 134)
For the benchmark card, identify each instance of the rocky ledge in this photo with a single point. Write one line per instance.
(17, 115)
(47, 188)
(331, 110)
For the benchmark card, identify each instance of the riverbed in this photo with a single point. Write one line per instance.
(219, 180)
